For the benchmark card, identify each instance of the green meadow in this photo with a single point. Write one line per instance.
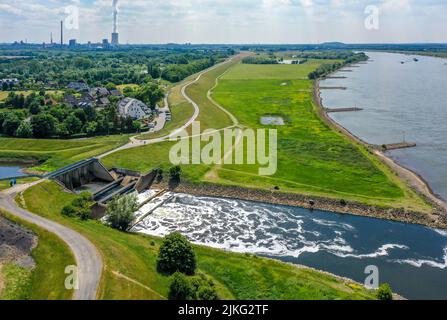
(237, 276)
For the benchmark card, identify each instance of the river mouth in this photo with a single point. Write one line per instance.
(412, 258)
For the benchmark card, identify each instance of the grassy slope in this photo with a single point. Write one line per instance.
(46, 281)
(57, 153)
(237, 276)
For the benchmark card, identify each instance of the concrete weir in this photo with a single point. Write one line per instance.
(91, 175)
(81, 173)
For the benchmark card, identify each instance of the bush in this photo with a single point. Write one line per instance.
(385, 292)
(195, 288)
(69, 211)
(176, 255)
(121, 212)
(79, 207)
(180, 288)
(175, 173)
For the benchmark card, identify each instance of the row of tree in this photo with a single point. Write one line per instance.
(99, 68)
(328, 68)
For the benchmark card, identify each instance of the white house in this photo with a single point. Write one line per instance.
(129, 107)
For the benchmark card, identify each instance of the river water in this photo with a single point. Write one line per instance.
(413, 259)
(399, 100)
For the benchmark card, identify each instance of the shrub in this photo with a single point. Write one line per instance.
(180, 288)
(175, 173)
(194, 288)
(69, 211)
(79, 207)
(385, 292)
(121, 212)
(176, 254)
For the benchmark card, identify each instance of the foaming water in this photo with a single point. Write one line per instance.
(342, 244)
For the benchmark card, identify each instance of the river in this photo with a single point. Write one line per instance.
(413, 259)
(399, 100)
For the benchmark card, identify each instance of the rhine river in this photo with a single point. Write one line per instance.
(400, 100)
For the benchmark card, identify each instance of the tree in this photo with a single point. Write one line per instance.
(73, 124)
(180, 288)
(11, 124)
(385, 292)
(176, 254)
(25, 130)
(150, 93)
(121, 211)
(44, 125)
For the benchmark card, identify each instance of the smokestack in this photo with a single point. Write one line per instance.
(115, 15)
(115, 36)
(62, 33)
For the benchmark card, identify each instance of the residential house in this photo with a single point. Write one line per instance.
(136, 109)
(99, 92)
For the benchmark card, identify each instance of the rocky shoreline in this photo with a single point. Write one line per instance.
(311, 203)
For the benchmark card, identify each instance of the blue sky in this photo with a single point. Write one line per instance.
(228, 21)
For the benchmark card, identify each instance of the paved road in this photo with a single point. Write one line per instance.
(88, 260)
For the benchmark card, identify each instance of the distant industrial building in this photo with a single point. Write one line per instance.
(72, 43)
(105, 43)
(115, 39)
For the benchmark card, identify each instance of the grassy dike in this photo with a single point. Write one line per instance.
(130, 263)
(47, 280)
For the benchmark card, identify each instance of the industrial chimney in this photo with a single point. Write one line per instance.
(62, 33)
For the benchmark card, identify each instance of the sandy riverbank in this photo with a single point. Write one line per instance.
(411, 178)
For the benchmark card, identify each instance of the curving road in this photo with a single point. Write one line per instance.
(88, 260)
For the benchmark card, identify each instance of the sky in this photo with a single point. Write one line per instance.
(227, 21)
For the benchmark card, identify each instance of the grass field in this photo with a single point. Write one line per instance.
(47, 280)
(53, 154)
(237, 276)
